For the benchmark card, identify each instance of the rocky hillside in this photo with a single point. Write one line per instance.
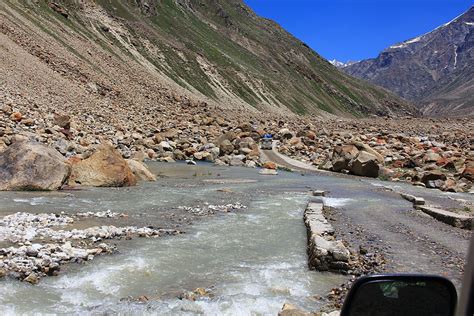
(106, 57)
(435, 70)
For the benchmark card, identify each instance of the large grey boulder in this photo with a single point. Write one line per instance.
(32, 166)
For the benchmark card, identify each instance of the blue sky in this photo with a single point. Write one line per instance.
(358, 29)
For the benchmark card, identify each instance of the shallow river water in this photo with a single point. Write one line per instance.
(253, 260)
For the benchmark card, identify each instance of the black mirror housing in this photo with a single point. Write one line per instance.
(401, 294)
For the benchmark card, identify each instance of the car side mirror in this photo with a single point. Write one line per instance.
(401, 294)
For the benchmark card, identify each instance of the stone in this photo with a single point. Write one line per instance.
(237, 160)
(270, 165)
(365, 164)
(429, 177)
(292, 310)
(226, 147)
(28, 122)
(342, 155)
(140, 171)
(364, 147)
(268, 172)
(63, 121)
(32, 278)
(285, 133)
(3, 273)
(319, 193)
(32, 166)
(468, 173)
(340, 252)
(16, 116)
(105, 168)
(432, 157)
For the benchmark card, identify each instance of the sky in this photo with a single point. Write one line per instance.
(352, 30)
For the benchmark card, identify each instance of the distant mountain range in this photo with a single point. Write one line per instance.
(434, 70)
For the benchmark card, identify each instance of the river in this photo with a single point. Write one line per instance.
(252, 260)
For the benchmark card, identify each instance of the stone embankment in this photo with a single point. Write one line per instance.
(325, 253)
(450, 218)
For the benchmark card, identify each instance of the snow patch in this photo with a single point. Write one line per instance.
(414, 40)
(469, 23)
(337, 63)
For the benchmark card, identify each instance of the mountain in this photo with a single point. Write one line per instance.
(434, 70)
(125, 53)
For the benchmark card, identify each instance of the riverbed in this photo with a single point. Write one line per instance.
(250, 261)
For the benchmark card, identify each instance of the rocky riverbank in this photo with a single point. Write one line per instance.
(431, 153)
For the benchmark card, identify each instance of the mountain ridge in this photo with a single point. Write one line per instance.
(435, 70)
(218, 51)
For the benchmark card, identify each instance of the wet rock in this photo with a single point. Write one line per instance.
(32, 166)
(32, 278)
(324, 253)
(268, 172)
(140, 171)
(292, 310)
(105, 168)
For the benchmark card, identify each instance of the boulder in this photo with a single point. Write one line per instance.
(429, 177)
(140, 171)
(364, 147)
(365, 164)
(285, 133)
(230, 136)
(342, 156)
(105, 168)
(32, 166)
(226, 147)
(468, 173)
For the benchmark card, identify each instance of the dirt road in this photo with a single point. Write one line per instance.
(377, 219)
